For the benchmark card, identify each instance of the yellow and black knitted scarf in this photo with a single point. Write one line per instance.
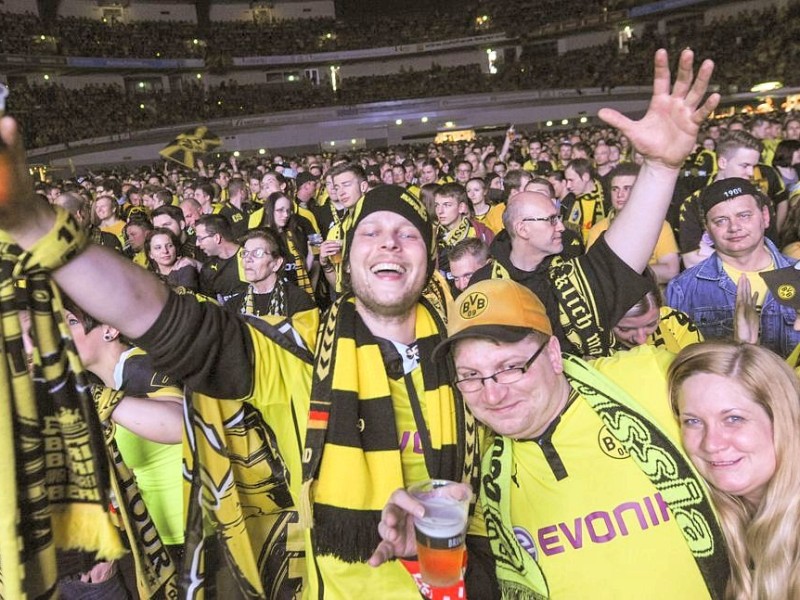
(303, 280)
(54, 478)
(352, 451)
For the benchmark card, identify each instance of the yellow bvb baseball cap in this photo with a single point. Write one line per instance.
(496, 309)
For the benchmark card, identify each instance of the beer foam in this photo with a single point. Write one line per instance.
(443, 518)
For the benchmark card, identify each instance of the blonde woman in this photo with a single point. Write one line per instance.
(739, 411)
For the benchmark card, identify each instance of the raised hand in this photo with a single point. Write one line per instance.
(21, 211)
(668, 131)
(746, 320)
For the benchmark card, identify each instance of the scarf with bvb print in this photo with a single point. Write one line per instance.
(53, 471)
(653, 451)
(464, 230)
(352, 453)
(155, 569)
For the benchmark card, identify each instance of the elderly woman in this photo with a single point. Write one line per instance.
(161, 247)
(739, 412)
(269, 295)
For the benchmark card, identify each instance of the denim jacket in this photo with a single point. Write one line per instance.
(707, 295)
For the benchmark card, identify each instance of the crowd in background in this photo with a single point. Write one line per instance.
(52, 113)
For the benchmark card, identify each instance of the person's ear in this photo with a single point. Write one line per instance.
(110, 333)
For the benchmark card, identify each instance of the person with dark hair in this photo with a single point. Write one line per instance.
(664, 262)
(787, 162)
(589, 207)
(466, 257)
(172, 218)
(162, 248)
(142, 412)
(650, 322)
(736, 217)
(298, 257)
(221, 275)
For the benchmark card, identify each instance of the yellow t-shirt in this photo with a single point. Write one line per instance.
(757, 284)
(665, 245)
(493, 218)
(602, 529)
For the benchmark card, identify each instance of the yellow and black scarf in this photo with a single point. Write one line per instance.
(277, 301)
(448, 239)
(237, 482)
(518, 574)
(352, 434)
(155, 568)
(303, 280)
(569, 281)
(53, 473)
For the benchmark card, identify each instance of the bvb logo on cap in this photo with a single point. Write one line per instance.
(786, 292)
(473, 305)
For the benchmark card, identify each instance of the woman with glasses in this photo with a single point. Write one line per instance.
(269, 295)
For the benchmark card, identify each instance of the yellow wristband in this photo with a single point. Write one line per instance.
(60, 245)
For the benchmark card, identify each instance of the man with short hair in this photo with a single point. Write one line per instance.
(466, 257)
(514, 182)
(589, 206)
(738, 155)
(736, 218)
(582, 466)
(171, 217)
(664, 261)
(222, 274)
(463, 172)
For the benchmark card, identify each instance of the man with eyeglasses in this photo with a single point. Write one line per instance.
(584, 296)
(222, 273)
(584, 482)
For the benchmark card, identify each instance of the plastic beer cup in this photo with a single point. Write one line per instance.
(440, 532)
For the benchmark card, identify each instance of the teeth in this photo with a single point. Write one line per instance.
(388, 267)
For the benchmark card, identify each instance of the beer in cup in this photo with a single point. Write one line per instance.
(440, 531)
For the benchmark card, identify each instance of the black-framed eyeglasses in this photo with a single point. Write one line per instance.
(200, 238)
(470, 385)
(552, 219)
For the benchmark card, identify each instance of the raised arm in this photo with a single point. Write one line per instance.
(109, 287)
(665, 136)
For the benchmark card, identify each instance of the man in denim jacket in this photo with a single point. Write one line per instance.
(735, 216)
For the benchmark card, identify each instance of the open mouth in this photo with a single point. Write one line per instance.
(387, 268)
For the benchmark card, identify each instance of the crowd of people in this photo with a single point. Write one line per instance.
(345, 326)
(76, 36)
(52, 113)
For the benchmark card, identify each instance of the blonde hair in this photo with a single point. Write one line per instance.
(763, 543)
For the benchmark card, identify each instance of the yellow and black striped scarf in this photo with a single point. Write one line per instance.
(303, 280)
(352, 451)
(277, 301)
(53, 471)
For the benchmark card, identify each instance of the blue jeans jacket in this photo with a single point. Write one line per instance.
(707, 295)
